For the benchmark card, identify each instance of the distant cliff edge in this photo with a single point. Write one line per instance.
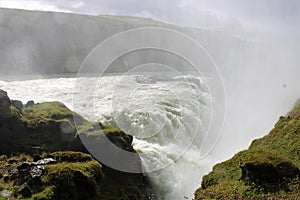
(39, 42)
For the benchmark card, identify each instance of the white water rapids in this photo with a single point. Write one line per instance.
(167, 115)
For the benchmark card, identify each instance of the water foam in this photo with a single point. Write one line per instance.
(162, 112)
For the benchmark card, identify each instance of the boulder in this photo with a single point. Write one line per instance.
(17, 104)
(5, 104)
(29, 103)
(37, 171)
(35, 168)
(27, 171)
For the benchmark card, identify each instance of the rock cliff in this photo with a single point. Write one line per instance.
(269, 169)
(42, 156)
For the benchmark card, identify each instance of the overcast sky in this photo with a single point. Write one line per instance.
(221, 14)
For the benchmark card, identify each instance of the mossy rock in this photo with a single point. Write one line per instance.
(70, 156)
(50, 129)
(5, 104)
(48, 126)
(78, 180)
(51, 126)
(75, 175)
(268, 169)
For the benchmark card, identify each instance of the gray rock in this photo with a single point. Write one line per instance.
(29, 103)
(27, 171)
(46, 161)
(37, 171)
(6, 193)
(4, 104)
(18, 104)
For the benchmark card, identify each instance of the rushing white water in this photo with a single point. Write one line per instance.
(168, 116)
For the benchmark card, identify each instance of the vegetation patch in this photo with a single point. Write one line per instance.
(268, 169)
(42, 156)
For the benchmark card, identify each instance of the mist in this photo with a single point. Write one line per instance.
(262, 86)
(255, 45)
(256, 50)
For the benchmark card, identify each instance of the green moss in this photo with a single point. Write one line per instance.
(78, 176)
(70, 156)
(72, 180)
(24, 157)
(75, 176)
(96, 128)
(284, 139)
(49, 127)
(43, 112)
(295, 112)
(55, 110)
(47, 193)
(268, 169)
(69, 121)
(15, 112)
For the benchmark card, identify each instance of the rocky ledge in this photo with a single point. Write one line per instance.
(42, 156)
(269, 169)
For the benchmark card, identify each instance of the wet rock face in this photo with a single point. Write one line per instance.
(4, 104)
(122, 140)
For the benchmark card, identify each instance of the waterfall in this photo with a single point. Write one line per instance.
(166, 114)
